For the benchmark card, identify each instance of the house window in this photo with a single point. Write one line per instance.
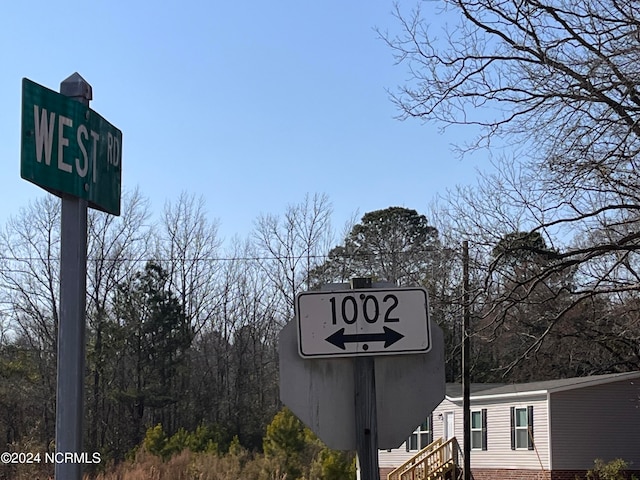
(522, 428)
(422, 436)
(479, 429)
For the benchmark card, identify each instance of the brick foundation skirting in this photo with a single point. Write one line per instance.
(496, 474)
(509, 474)
(514, 474)
(384, 471)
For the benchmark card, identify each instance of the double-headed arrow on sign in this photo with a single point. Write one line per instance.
(389, 337)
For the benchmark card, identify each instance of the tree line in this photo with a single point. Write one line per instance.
(183, 334)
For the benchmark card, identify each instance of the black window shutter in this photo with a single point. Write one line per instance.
(530, 427)
(484, 429)
(513, 428)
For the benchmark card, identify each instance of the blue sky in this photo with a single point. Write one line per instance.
(251, 104)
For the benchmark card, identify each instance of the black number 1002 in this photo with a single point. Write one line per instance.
(348, 310)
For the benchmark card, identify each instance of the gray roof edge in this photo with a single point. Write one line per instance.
(542, 387)
(595, 380)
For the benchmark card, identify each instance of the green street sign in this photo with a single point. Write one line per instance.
(69, 148)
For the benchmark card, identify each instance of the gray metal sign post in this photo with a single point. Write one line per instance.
(73, 152)
(365, 408)
(71, 324)
(374, 399)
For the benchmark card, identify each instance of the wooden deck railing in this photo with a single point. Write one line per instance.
(431, 462)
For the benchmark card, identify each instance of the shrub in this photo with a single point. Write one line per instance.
(285, 443)
(155, 440)
(158, 443)
(334, 465)
(292, 450)
(613, 470)
(203, 440)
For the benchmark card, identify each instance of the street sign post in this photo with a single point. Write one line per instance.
(67, 148)
(319, 377)
(71, 151)
(363, 322)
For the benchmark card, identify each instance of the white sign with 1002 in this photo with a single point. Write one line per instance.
(363, 322)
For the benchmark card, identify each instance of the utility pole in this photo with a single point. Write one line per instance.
(466, 351)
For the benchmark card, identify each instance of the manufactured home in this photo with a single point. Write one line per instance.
(550, 430)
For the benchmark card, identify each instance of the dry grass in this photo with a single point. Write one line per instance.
(26, 472)
(149, 467)
(193, 466)
(183, 466)
(38, 470)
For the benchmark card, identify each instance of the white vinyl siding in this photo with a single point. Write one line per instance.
(499, 453)
(399, 455)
